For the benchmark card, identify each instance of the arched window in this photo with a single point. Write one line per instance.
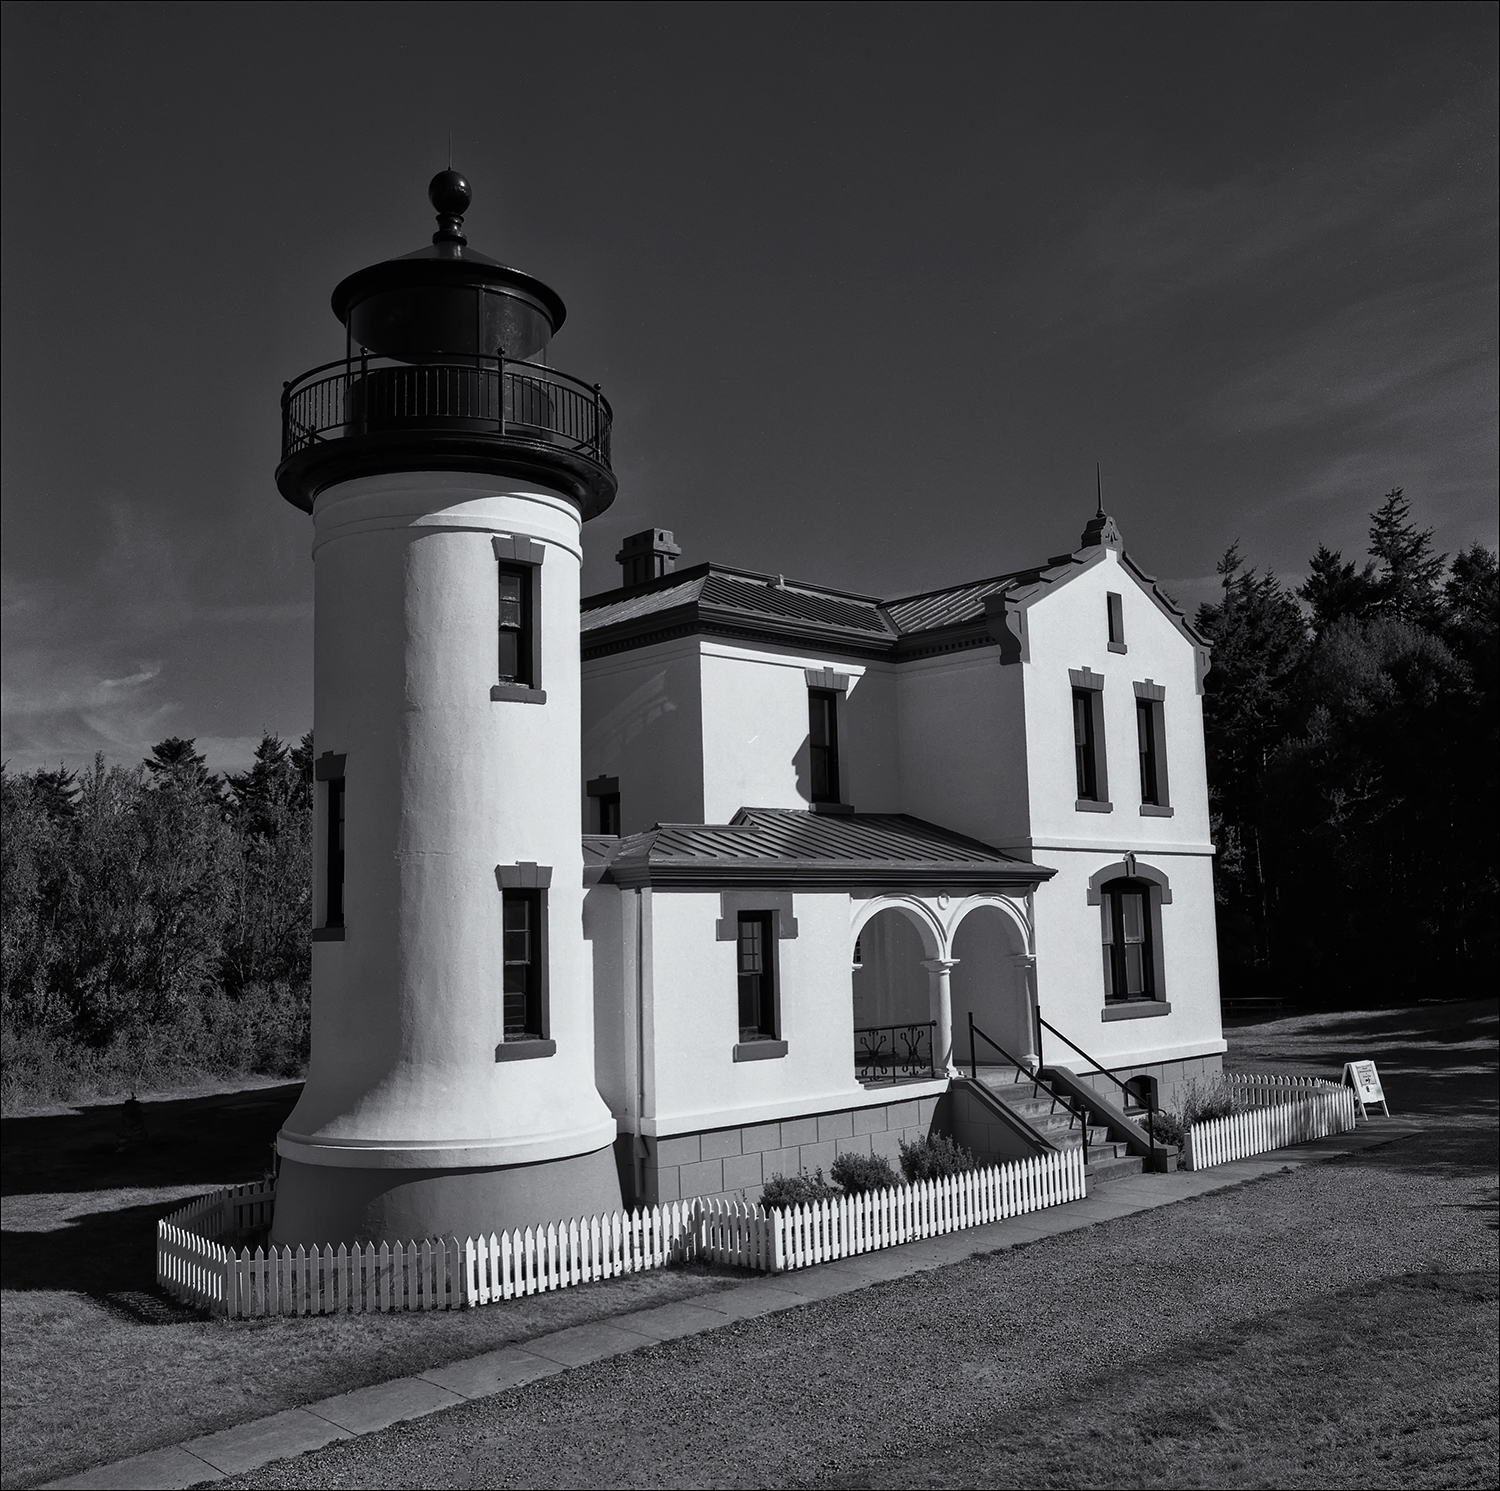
(1129, 955)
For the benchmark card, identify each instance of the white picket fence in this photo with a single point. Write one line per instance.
(445, 1274)
(1313, 1115)
(801, 1236)
(1265, 1089)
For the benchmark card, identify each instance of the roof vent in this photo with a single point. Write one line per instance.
(647, 556)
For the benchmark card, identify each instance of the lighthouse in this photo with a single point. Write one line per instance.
(448, 472)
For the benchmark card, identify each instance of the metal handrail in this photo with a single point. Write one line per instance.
(1105, 1071)
(1036, 1081)
(335, 400)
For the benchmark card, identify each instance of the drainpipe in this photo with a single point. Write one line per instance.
(939, 970)
(640, 1048)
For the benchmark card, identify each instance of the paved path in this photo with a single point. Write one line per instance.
(249, 1446)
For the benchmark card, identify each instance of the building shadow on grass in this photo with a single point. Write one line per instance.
(218, 1140)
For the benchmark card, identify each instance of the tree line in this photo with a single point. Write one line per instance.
(1351, 726)
(156, 919)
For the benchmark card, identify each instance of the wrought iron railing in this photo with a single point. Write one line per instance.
(1144, 1097)
(894, 1053)
(365, 394)
(1027, 1076)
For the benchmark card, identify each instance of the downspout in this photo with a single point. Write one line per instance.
(640, 1048)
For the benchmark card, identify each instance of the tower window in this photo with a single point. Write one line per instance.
(1129, 964)
(755, 953)
(524, 938)
(334, 886)
(515, 626)
(823, 744)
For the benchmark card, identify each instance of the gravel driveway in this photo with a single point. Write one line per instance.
(884, 1385)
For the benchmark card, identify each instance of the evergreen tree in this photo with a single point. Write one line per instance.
(1410, 572)
(1335, 589)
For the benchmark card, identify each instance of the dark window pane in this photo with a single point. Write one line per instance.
(609, 813)
(1083, 745)
(823, 745)
(1145, 730)
(521, 978)
(515, 627)
(334, 909)
(753, 958)
(1116, 618)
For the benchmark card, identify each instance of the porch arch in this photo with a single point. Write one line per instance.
(899, 984)
(993, 980)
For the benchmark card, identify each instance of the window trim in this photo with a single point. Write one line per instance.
(778, 906)
(1153, 696)
(1159, 894)
(1088, 687)
(605, 791)
(534, 881)
(518, 555)
(1114, 607)
(834, 798)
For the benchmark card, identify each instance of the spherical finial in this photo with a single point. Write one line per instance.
(449, 193)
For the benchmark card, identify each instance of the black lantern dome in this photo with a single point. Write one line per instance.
(447, 299)
(438, 374)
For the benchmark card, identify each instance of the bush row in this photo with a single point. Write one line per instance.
(929, 1158)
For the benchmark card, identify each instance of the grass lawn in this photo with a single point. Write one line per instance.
(1391, 1374)
(1393, 1384)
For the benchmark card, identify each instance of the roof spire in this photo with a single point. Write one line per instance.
(1099, 489)
(1100, 530)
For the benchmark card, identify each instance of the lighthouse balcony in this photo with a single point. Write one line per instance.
(366, 414)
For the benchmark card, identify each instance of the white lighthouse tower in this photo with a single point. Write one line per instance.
(448, 474)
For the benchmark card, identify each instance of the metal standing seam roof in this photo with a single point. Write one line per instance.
(789, 845)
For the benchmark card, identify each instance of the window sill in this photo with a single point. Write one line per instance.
(527, 1050)
(518, 693)
(759, 1050)
(1085, 805)
(830, 807)
(1136, 1009)
(328, 934)
(1117, 647)
(1155, 810)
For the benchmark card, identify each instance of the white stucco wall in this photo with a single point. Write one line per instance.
(962, 743)
(642, 723)
(1068, 628)
(695, 1083)
(1070, 964)
(442, 785)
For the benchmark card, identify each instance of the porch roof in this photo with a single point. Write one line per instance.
(797, 848)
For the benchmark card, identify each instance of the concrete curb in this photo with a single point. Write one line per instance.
(294, 1431)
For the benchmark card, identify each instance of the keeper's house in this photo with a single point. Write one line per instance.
(830, 831)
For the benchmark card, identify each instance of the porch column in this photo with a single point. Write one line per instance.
(938, 970)
(1031, 1047)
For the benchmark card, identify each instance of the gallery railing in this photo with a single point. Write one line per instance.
(364, 394)
(894, 1053)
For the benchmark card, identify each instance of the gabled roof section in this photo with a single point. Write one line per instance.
(806, 850)
(711, 599)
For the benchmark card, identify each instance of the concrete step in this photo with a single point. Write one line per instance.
(1113, 1168)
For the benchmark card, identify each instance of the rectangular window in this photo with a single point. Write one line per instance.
(1145, 729)
(609, 813)
(755, 954)
(524, 937)
(823, 741)
(334, 886)
(1116, 607)
(515, 626)
(1085, 755)
(1128, 972)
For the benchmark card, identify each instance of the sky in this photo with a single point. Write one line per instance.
(871, 288)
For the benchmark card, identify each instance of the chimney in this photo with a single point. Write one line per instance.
(647, 556)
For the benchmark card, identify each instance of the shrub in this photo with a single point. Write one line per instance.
(1202, 1101)
(1168, 1128)
(858, 1173)
(934, 1157)
(796, 1190)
